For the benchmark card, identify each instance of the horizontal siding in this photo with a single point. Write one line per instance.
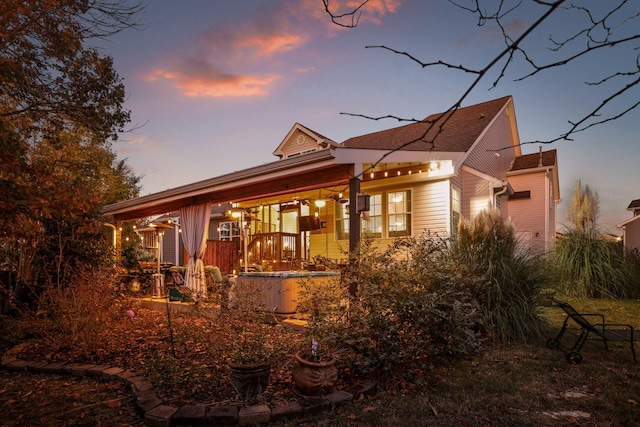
(292, 146)
(494, 153)
(529, 215)
(431, 209)
(476, 195)
(632, 236)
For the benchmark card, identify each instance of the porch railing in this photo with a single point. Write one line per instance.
(280, 250)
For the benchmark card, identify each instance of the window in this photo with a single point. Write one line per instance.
(456, 210)
(399, 213)
(519, 195)
(229, 230)
(372, 225)
(342, 221)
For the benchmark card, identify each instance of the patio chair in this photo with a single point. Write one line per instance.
(588, 330)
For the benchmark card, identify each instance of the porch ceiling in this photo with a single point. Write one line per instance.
(261, 187)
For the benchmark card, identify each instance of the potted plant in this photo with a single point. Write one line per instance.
(322, 303)
(250, 352)
(315, 371)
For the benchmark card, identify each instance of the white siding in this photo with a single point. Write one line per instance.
(476, 195)
(431, 210)
(494, 153)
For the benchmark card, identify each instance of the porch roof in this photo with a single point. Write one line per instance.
(309, 171)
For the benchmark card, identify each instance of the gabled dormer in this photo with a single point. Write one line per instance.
(301, 140)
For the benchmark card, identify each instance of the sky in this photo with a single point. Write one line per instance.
(215, 86)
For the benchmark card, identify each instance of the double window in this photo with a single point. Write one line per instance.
(389, 215)
(229, 230)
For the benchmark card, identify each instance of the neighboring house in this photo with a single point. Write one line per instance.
(320, 197)
(631, 228)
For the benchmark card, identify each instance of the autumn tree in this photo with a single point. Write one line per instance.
(61, 105)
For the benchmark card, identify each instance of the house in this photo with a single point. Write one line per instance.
(318, 199)
(631, 228)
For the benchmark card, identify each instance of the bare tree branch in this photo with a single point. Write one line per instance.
(352, 16)
(596, 34)
(442, 120)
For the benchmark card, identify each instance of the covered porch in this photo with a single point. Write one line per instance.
(282, 211)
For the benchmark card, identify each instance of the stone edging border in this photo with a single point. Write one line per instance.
(156, 414)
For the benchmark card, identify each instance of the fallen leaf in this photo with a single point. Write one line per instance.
(369, 409)
(352, 416)
(632, 401)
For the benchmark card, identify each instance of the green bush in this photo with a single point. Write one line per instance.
(513, 277)
(404, 319)
(428, 299)
(588, 266)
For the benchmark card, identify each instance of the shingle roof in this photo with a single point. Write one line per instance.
(458, 134)
(532, 161)
(635, 204)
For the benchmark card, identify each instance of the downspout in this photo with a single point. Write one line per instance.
(503, 190)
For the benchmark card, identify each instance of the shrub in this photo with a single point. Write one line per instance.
(404, 320)
(588, 266)
(80, 315)
(513, 277)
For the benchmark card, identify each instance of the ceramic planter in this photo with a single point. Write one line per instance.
(314, 377)
(250, 380)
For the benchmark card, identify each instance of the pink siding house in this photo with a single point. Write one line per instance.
(631, 228)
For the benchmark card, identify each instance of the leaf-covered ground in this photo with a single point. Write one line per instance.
(37, 400)
(508, 385)
(187, 363)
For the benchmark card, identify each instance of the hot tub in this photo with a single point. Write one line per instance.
(278, 290)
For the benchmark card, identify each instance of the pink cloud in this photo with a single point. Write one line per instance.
(197, 78)
(273, 43)
(254, 45)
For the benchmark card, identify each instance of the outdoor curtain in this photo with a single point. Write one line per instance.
(195, 229)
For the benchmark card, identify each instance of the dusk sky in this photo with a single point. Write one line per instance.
(215, 86)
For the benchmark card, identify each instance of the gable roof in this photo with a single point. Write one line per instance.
(535, 160)
(461, 129)
(320, 140)
(635, 204)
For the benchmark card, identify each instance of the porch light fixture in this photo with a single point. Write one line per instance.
(320, 203)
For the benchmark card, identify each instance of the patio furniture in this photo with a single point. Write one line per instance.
(585, 329)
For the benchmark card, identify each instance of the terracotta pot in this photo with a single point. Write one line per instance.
(314, 377)
(250, 380)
